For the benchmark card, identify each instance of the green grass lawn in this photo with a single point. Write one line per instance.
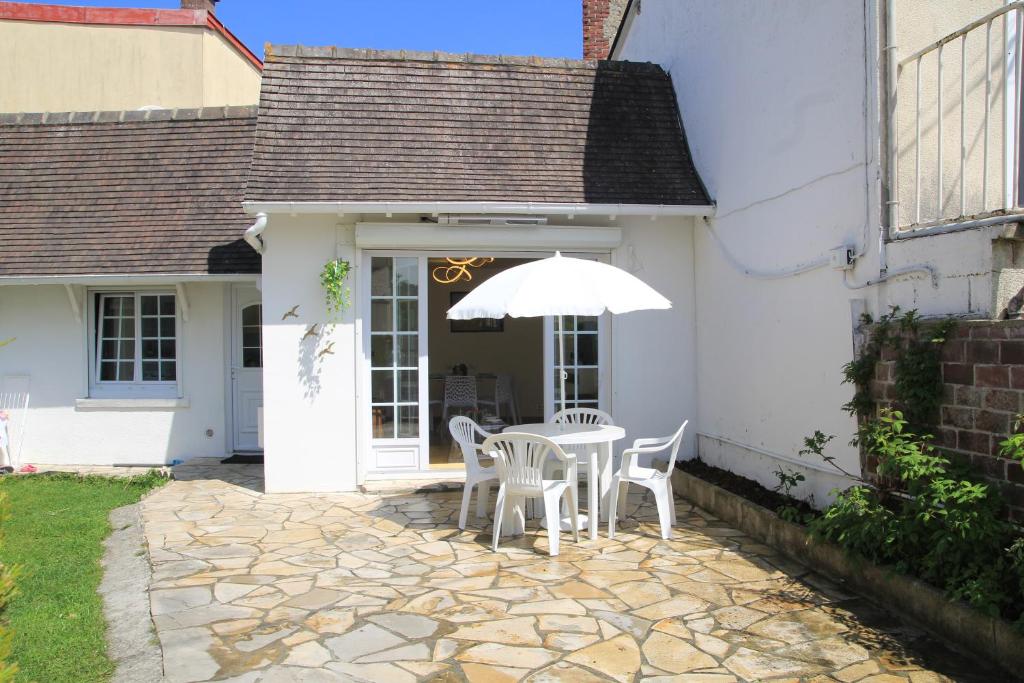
(55, 534)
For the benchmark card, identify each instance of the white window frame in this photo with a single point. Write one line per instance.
(136, 388)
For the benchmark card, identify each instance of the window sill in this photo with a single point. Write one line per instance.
(131, 403)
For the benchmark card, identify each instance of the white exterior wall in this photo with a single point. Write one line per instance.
(773, 99)
(654, 380)
(309, 400)
(784, 128)
(313, 414)
(50, 347)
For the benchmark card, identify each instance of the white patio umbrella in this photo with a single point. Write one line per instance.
(558, 286)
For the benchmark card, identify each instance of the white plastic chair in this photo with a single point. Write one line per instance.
(459, 394)
(659, 483)
(14, 401)
(520, 459)
(464, 432)
(583, 416)
(504, 397)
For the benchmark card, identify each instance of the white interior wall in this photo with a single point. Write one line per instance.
(50, 349)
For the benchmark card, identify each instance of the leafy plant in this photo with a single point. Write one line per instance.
(861, 370)
(788, 480)
(334, 280)
(919, 370)
(918, 366)
(936, 522)
(1012, 447)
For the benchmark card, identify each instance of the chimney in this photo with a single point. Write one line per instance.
(600, 25)
(207, 5)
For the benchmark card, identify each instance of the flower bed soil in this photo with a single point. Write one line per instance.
(741, 486)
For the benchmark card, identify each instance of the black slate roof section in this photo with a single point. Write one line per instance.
(110, 193)
(365, 126)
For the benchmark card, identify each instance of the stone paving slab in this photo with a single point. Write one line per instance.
(260, 588)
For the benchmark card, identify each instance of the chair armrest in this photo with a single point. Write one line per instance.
(651, 445)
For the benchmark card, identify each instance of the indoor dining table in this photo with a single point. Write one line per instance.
(597, 441)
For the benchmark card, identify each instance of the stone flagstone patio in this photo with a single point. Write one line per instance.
(383, 587)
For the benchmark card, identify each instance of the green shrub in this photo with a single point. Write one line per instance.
(933, 520)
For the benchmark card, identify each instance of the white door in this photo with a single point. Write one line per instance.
(586, 364)
(395, 342)
(247, 368)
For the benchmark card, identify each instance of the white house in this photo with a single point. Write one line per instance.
(771, 239)
(394, 162)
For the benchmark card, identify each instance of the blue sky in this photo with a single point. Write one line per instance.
(548, 28)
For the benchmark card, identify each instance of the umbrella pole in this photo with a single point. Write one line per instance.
(561, 359)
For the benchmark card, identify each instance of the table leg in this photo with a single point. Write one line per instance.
(592, 486)
(606, 478)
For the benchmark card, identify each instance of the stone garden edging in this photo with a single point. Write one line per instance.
(989, 637)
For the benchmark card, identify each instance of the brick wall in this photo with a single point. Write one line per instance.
(983, 392)
(600, 25)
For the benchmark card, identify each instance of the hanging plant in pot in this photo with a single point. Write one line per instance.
(334, 280)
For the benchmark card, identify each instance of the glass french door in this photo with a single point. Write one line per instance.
(586, 363)
(398, 361)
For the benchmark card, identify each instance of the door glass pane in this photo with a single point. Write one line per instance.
(382, 348)
(383, 422)
(382, 277)
(381, 316)
(582, 360)
(408, 422)
(408, 273)
(382, 386)
(252, 336)
(394, 347)
(408, 312)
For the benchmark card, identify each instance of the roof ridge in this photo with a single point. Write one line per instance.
(129, 116)
(272, 52)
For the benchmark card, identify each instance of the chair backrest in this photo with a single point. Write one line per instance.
(503, 391)
(465, 433)
(460, 391)
(677, 440)
(583, 416)
(519, 460)
(14, 400)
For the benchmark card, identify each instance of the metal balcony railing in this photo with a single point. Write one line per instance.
(942, 175)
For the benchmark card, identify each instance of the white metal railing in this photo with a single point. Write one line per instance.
(1011, 18)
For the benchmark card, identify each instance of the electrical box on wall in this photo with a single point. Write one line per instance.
(843, 258)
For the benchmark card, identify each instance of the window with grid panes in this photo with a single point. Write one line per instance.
(136, 338)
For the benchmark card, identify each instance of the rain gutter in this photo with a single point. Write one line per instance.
(434, 208)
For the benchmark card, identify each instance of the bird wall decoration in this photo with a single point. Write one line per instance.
(293, 313)
(327, 350)
(311, 332)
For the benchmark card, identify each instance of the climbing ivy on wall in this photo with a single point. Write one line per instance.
(918, 366)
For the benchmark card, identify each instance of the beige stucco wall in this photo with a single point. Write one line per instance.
(920, 23)
(77, 67)
(227, 77)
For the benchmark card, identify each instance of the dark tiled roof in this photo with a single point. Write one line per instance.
(125, 192)
(359, 125)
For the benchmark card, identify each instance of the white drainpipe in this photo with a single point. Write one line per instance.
(252, 235)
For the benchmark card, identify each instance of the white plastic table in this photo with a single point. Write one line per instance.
(599, 440)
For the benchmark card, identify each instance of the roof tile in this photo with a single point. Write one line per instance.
(155, 192)
(339, 124)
